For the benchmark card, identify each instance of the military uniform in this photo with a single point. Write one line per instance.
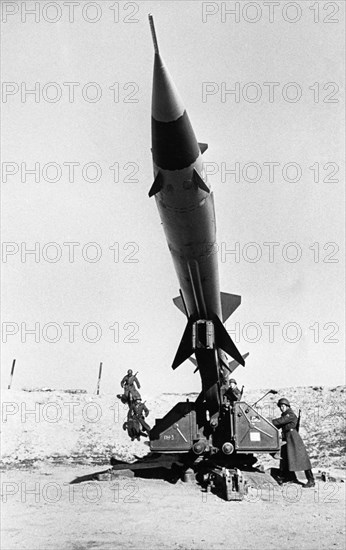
(139, 411)
(233, 393)
(130, 391)
(133, 428)
(294, 457)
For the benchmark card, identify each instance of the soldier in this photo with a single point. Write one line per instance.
(130, 391)
(233, 392)
(133, 428)
(139, 411)
(294, 457)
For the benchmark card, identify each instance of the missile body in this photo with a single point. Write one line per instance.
(186, 207)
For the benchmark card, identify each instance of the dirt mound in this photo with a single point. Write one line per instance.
(63, 427)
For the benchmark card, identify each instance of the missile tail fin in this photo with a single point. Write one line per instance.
(194, 362)
(229, 303)
(225, 342)
(232, 365)
(185, 347)
(178, 302)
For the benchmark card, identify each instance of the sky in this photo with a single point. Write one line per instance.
(263, 86)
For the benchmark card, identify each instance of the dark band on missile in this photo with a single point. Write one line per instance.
(174, 144)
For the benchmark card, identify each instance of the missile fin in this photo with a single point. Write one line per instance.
(196, 178)
(194, 362)
(157, 185)
(225, 342)
(229, 303)
(185, 347)
(178, 302)
(203, 147)
(234, 364)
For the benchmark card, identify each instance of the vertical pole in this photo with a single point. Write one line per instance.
(12, 371)
(99, 380)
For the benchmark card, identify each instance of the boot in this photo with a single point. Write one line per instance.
(287, 477)
(310, 478)
(292, 478)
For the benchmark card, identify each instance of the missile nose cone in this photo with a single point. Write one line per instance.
(167, 104)
(174, 144)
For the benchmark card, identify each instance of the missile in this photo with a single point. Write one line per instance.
(186, 207)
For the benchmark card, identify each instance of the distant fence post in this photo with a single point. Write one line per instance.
(99, 380)
(12, 371)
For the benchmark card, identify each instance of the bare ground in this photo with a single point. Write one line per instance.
(131, 513)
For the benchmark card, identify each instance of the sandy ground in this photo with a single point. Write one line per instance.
(152, 513)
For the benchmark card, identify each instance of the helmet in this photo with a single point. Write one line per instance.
(283, 401)
(129, 371)
(232, 380)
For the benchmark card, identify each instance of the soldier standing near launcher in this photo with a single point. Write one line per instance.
(233, 392)
(294, 457)
(130, 391)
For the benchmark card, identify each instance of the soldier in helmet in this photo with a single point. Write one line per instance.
(233, 393)
(293, 455)
(133, 424)
(130, 391)
(139, 412)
